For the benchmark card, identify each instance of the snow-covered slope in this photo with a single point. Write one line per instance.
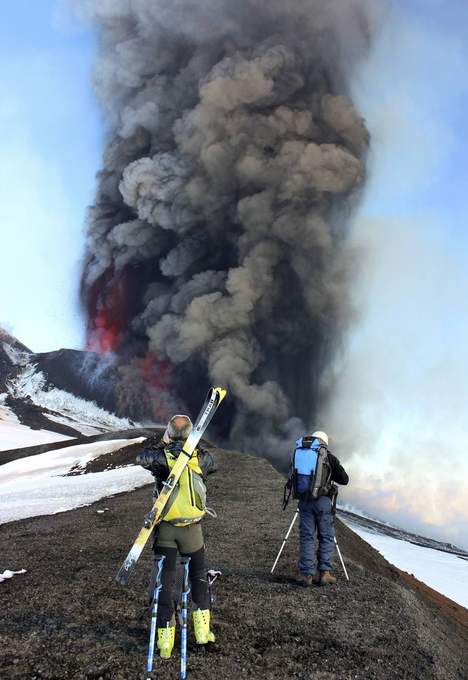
(443, 568)
(39, 477)
(42, 484)
(14, 435)
(30, 398)
(62, 406)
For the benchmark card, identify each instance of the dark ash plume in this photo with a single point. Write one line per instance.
(216, 248)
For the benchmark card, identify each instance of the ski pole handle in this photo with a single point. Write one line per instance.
(212, 575)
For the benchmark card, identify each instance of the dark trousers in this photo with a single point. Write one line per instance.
(169, 542)
(316, 516)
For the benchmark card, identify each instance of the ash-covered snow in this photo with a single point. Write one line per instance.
(14, 435)
(36, 486)
(32, 383)
(17, 356)
(87, 430)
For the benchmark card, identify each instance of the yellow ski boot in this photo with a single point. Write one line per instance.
(166, 637)
(201, 625)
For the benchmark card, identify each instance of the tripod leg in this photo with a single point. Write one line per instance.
(341, 559)
(285, 539)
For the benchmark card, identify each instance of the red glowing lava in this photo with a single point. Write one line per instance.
(108, 316)
(147, 382)
(104, 337)
(156, 373)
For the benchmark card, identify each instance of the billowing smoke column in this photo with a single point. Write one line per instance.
(216, 248)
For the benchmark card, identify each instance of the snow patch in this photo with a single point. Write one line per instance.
(446, 573)
(86, 430)
(33, 384)
(35, 486)
(6, 414)
(17, 356)
(58, 462)
(9, 574)
(14, 435)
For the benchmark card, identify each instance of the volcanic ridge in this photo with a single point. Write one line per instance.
(67, 617)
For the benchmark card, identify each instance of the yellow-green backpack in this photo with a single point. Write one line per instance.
(187, 503)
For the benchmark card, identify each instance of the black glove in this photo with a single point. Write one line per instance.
(287, 492)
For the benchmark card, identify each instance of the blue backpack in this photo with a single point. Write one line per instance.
(310, 469)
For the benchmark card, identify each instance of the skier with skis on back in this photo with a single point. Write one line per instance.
(180, 529)
(313, 471)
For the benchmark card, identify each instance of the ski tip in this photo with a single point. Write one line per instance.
(122, 578)
(221, 392)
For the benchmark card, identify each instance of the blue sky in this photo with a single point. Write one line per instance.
(49, 152)
(400, 406)
(421, 65)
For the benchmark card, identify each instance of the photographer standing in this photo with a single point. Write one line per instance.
(313, 471)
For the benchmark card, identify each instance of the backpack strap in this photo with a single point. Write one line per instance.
(320, 485)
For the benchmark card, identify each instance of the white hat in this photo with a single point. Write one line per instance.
(321, 435)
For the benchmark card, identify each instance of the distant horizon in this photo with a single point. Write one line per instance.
(359, 512)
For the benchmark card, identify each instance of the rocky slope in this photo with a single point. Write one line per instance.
(67, 618)
(68, 392)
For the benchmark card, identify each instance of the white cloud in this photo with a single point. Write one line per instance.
(402, 394)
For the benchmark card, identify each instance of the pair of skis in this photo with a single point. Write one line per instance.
(213, 400)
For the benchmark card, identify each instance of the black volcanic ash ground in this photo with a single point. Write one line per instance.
(66, 618)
